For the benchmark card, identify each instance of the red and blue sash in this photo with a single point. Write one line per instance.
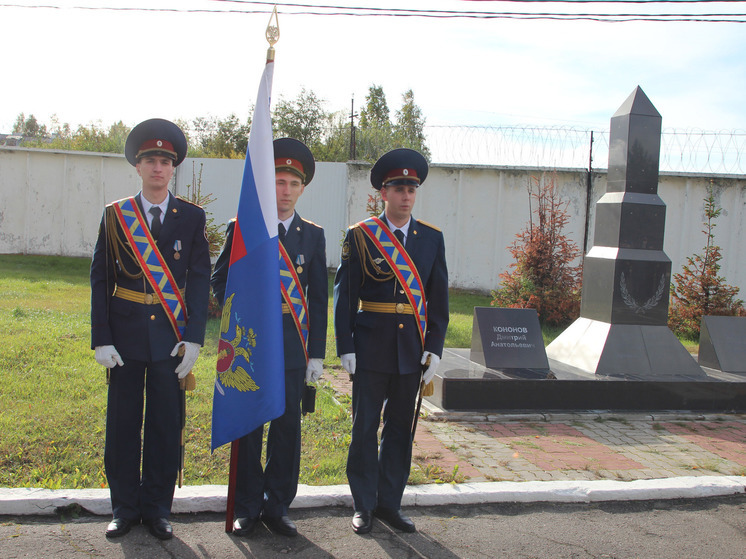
(151, 262)
(293, 296)
(402, 266)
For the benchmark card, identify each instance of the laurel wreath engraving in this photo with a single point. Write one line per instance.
(649, 304)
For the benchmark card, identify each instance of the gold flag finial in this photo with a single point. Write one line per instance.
(272, 34)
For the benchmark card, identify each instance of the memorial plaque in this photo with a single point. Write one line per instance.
(722, 343)
(508, 339)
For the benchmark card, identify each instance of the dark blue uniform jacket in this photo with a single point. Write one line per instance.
(389, 342)
(306, 247)
(143, 332)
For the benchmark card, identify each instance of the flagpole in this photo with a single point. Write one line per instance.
(272, 35)
(231, 503)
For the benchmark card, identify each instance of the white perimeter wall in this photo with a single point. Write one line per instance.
(51, 203)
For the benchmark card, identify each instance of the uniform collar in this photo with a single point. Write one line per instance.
(146, 205)
(404, 229)
(287, 222)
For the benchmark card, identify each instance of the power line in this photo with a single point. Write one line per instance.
(613, 1)
(491, 14)
(359, 11)
(534, 2)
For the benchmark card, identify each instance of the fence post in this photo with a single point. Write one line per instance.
(588, 195)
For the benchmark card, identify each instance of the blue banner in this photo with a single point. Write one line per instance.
(250, 381)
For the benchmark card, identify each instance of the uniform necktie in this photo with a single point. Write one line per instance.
(399, 234)
(281, 231)
(155, 226)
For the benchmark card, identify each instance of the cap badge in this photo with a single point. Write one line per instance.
(159, 143)
(405, 172)
(289, 161)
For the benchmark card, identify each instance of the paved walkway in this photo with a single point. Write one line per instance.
(575, 446)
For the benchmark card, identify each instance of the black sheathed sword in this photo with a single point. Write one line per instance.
(189, 382)
(182, 442)
(425, 390)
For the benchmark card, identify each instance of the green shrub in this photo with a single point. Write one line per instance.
(699, 289)
(542, 276)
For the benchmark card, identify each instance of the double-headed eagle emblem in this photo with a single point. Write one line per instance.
(234, 356)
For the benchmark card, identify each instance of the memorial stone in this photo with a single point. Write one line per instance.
(622, 330)
(620, 354)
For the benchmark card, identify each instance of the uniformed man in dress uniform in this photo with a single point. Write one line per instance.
(149, 294)
(390, 317)
(266, 493)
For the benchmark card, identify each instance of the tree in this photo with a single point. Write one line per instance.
(18, 126)
(543, 277)
(375, 114)
(698, 290)
(60, 130)
(114, 139)
(29, 127)
(409, 130)
(336, 139)
(226, 138)
(327, 134)
(303, 118)
(96, 139)
(93, 138)
(375, 137)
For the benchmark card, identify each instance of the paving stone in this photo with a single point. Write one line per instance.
(579, 446)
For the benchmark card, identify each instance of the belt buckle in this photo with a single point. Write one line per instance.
(400, 308)
(148, 298)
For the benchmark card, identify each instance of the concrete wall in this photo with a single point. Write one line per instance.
(51, 203)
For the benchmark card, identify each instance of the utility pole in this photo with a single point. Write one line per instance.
(353, 146)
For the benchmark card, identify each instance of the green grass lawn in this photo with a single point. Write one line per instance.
(53, 396)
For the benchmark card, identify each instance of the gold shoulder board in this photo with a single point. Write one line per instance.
(430, 225)
(187, 201)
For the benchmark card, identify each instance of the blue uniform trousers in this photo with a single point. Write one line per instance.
(378, 476)
(273, 488)
(149, 495)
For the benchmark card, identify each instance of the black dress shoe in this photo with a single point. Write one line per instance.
(362, 522)
(280, 525)
(119, 527)
(244, 526)
(395, 519)
(160, 528)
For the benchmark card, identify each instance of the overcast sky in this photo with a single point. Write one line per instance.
(101, 66)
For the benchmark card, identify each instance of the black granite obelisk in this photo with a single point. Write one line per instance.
(622, 330)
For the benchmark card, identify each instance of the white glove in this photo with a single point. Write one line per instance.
(315, 369)
(348, 362)
(108, 356)
(428, 375)
(191, 352)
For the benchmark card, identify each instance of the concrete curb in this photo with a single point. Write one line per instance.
(212, 498)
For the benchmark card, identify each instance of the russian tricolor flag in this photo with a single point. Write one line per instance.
(250, 382)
